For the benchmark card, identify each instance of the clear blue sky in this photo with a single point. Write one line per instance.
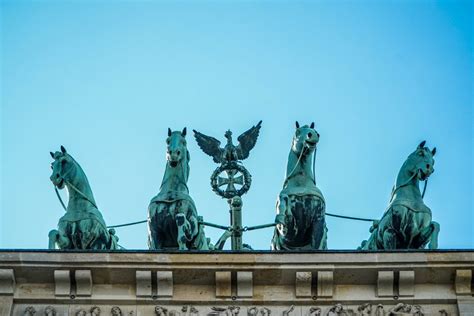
(106, 81)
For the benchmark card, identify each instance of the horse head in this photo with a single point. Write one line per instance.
(63, 167)
(305, 140)
(420, 162)
(176, 148)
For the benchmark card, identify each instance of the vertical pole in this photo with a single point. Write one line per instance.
(236, 221)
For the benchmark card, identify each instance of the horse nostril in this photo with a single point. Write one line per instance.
(179, 153)
(310, 135)
(57, 175)
(428, 166)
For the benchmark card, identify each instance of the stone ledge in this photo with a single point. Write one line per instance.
(230, 279)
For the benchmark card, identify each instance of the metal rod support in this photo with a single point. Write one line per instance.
(246, 228)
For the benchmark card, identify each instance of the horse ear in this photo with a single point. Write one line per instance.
(297, 124)
(422, 144)
(183, 132)
(169, 131)
(312, 125)
(433, 152)
(52, 155)
(63, 150)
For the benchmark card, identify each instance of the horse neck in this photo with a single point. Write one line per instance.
(407, 184)
(80, 182)
(299, 173)
(176, 179)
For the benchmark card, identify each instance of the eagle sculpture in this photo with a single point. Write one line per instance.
(230, 152)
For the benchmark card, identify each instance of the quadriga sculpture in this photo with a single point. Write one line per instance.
(82, 227)
(407, 222)
(172, 216)
(300, 206)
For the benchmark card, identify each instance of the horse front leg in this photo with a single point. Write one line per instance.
(53, 239)
(427, 235)
(183, 228)
(58, 238)
(282, 216)
(434, 236)
(319, 229)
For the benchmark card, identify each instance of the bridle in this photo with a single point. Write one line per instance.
(299, 160)
(395, 189)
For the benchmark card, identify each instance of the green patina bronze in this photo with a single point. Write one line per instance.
(172, 216)
(231, 174)
(300, 206)
(407, 222)
(82, 227)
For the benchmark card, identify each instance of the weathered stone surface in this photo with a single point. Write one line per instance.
(7, 281)
(143, 283)
(6, 305)
(164, 283)
(463, 282)
(466, 306)
(83, 282)
(223, 284)
(303, 284)
(62, 281)
(385, 283)
(355, 281)
(244, 284)
(325, 283)
(406, 283)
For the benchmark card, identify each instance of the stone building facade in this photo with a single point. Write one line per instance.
(235, 284)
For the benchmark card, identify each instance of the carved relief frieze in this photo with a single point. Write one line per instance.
(338, 309)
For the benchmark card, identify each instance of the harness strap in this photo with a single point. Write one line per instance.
(80, 193)
(60, 199)
(75, 189)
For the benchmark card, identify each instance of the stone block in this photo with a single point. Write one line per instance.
(83, 282)
(406, 283)
(466, 306)
(6, 305)
(143, 281)
(223, 284)
(463, 282)
(62, 282)
(164, 287)
(325, 283)
(7, 281)
(303, 284)
(385, 283)
(244, 283)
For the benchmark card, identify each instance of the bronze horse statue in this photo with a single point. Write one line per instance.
(300, 216)
(407, 222)
(82, 227)
(172, 216)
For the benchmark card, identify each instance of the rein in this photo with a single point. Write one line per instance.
(75, 189)
(270, 225)
(407, 183)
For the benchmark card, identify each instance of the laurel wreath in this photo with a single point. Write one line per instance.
(229, 166)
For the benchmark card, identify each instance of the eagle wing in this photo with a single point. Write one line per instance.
(209, 145)
(247, 141)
